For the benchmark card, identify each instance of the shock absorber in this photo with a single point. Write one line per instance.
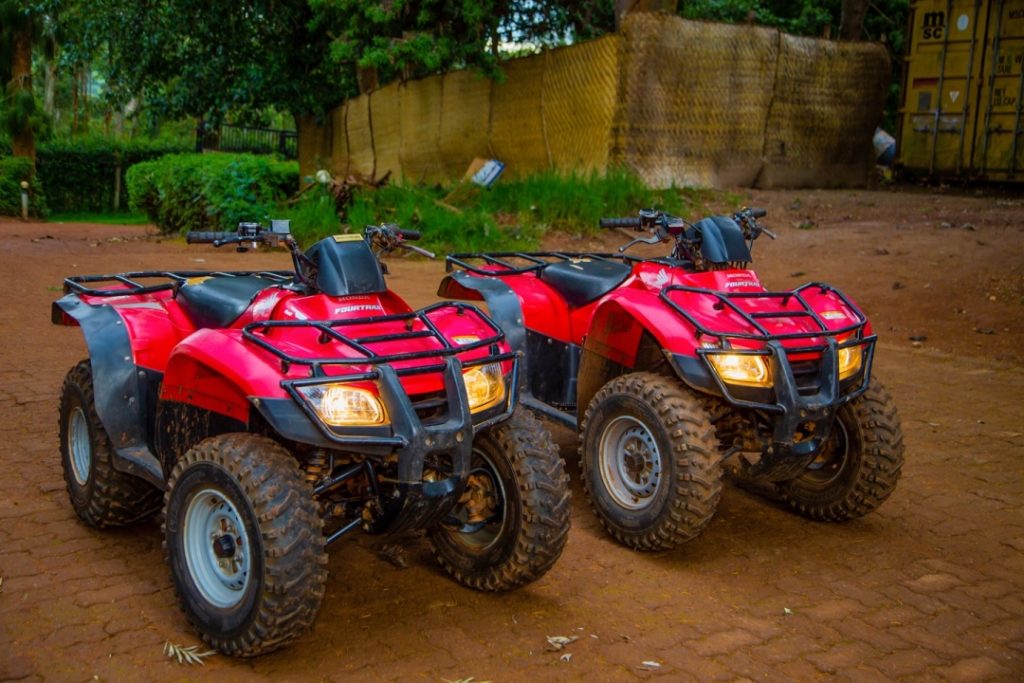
(317, 466)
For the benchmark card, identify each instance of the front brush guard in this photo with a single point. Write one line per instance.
(419, 503)
(810, 416)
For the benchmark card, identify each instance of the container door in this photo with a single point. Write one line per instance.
(941, 85)
(999, 147)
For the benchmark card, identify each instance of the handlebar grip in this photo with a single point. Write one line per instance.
(409, 235)
(201, 237)
(757, 213)
(620, 223)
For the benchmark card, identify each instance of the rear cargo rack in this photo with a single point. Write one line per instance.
(331, 330)
(726, 300)
(167, 279)
(501, 262)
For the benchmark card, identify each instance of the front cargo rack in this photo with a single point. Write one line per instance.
(85, 284)
(725, 300)
(329, 331)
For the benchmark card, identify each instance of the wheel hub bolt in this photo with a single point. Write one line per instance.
(224, 546)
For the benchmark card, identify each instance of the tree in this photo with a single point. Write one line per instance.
(851, 23)
(20, 111)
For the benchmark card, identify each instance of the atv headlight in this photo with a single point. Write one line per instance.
(340, 405)
(740, 368)
(849, 361)
(484, 386)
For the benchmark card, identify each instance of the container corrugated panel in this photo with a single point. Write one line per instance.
(961, 89)
(999, 140)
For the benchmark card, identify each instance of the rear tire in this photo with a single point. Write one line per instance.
(859, 466)
(650, 461)
(245, 544)
(519, 481)
(101, 496)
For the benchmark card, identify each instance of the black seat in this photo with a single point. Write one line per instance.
(219, 301)
(581, 282)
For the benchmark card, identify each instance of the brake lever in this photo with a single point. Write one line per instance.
(418, 250)
(768, 232)
(653, 239)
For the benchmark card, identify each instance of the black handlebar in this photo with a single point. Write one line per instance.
(200, 237)
(757, 213)
(620, 223)
(408, 235)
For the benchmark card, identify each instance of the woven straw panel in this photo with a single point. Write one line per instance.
(386, 118)
(465, 113)
(338, 140)
(358, 134)
(694, 100)
(517, 111)
(828, 99)
(580, 95)
(421, 130)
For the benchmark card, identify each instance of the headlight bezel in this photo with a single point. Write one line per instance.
(314, 396)
(740, 368)
(494, 393)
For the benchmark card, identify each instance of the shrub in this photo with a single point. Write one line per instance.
(210, 191)
(13, 170)
(79, 174)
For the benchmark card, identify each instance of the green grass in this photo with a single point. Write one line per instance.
(514, 214)
(106, 218)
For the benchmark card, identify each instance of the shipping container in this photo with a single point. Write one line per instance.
(962, 89)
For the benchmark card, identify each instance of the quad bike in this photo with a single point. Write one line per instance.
(271, 413)
(674, 369)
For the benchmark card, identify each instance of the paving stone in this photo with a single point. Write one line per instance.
(973, 669)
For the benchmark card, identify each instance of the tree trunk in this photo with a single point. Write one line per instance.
(50, 88)
(852, 21)
(624, 7)
(23, 141)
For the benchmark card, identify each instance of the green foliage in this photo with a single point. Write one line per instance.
(13, 170)
(511, 215)
(575, 203)
(182, 192)
(79, 174)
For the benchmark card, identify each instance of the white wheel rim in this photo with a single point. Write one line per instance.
(629, 462)
(79, 446)
(217, 548)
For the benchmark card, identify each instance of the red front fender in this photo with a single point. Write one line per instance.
(217, 371)
(622, 318)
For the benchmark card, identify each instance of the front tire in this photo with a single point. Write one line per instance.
(859, 465)
(101, 496)
(245, 544)
(512, 522)
(650, 461)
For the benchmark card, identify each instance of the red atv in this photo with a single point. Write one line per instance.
(670, 367)
(271, 413)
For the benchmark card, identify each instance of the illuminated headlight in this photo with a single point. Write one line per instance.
(484, 386)
(340, 405)
(849, 361)
(738, 368)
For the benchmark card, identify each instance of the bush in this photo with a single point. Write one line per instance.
(13, 170)
(210, 191)
(79, 174)
(513, 214)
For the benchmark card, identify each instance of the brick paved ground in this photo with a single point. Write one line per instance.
(929, 588)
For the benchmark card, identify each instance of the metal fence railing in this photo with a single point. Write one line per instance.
(230, 138)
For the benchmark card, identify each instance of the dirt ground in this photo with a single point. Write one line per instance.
(930, 587)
